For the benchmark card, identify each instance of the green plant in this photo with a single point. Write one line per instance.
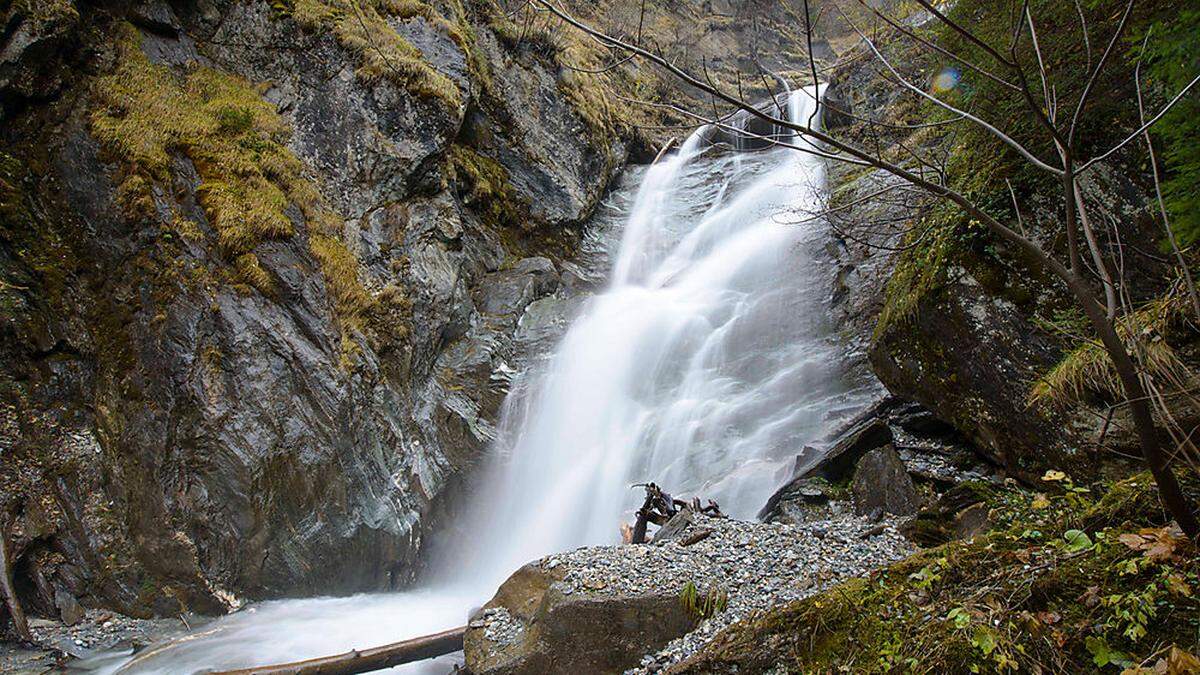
(701, 606)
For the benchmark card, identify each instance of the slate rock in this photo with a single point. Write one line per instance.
(881, 482)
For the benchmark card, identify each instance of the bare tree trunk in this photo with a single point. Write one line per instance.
(1139, 407)
(6, 580)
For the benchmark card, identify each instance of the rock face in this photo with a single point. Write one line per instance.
(202, 401)
(962, 323)
(881, 484)
(874, 465)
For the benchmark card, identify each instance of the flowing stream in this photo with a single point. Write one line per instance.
(704, 365)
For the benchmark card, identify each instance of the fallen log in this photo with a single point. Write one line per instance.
(367, 660)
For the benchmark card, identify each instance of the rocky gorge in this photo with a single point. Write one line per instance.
(270, 270)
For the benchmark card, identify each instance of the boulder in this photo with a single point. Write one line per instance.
(536, 623)
(840, 459)
(881, 483)
(801, 501)
(838, 107)
(69, 609)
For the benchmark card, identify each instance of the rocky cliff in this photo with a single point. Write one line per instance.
(957, 319)
(261, 268)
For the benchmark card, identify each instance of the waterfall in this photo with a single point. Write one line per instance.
(705, 365)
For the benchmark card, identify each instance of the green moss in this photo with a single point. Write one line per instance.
(485, 185)
(42, 250)
(363, 28)
(249, 180)
(1048, 592)
(43, 14)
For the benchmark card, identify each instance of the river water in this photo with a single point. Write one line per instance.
(705, 364)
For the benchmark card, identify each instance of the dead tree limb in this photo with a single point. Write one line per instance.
(367, 660)
(6, 580)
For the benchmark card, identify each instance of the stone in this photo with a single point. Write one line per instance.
(971, 521)
(69, 609)
(836, 463)
(800, 501)
(922, 422)
(839, 107)
(882, 482)
(537, 628)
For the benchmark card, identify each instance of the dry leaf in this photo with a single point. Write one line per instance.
(1048, 617)
(1178, 585)
(1180, 662)
(1155, 544)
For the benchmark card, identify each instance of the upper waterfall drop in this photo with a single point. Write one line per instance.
(703, 366)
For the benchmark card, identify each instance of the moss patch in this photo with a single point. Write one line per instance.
(145, 114)
(1062, 585)
(43, 14)
(362, 27)
(485, 186)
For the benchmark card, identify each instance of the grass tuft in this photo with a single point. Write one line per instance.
(1087, 370)
(362, 27)
(146, 113)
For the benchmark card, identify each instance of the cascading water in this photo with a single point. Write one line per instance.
(704, 366)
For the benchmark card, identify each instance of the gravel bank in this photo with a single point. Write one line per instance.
(758, 566)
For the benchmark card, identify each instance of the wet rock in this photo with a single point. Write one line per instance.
(918, 420)
(881, 482)
(800, 501)
(839, 460)
(510, 291)
(839, 106)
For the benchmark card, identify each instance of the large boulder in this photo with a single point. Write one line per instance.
(539, 624)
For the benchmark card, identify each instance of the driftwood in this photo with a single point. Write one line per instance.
(6, 580)
(367, 660)
(696, 537)
(659, 507)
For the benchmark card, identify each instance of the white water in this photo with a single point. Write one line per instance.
(705, 366)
